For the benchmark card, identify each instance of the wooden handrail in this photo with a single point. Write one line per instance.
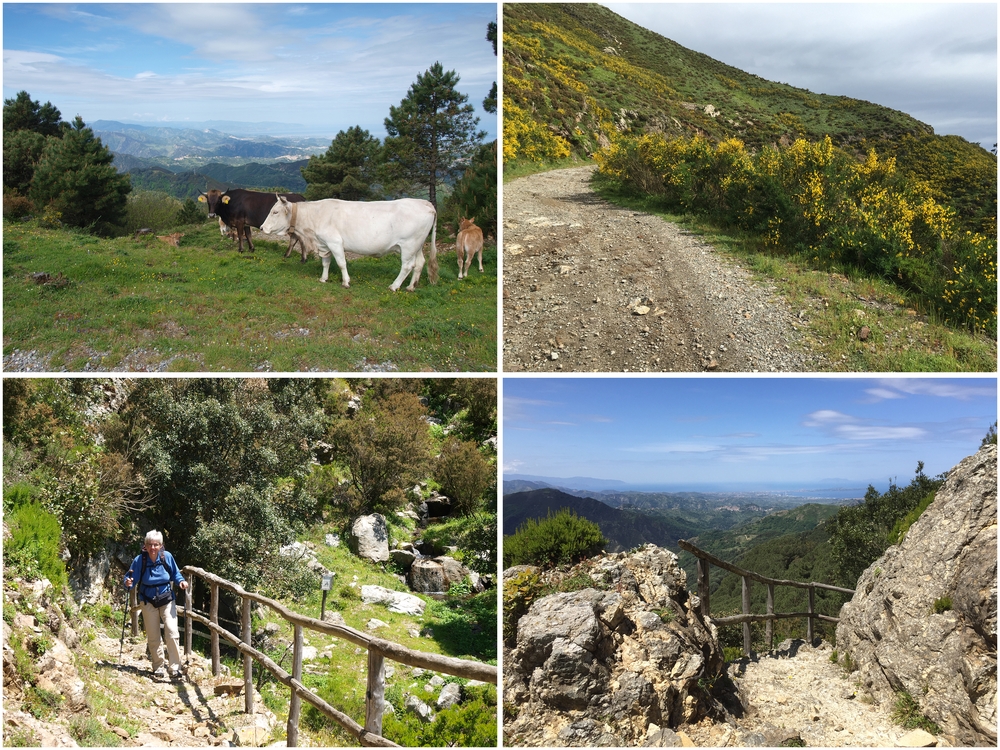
(706, 559)
(378, 649)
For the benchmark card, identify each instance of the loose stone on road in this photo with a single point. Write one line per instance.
(591, 287)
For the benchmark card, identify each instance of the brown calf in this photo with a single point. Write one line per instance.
(469, 242)
(171, 239)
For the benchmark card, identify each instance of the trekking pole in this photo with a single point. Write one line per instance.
(121, 648)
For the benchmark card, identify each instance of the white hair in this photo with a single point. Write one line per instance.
(154, 536)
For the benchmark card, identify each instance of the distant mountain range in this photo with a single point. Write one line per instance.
(169, 144)
(783, 494)
(184, 161)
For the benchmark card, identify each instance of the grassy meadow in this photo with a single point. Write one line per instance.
(143, 305)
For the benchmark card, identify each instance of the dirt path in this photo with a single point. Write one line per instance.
(592, 287)
(805, 696)
(196, 710)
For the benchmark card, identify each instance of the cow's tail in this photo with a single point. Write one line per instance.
(432, 263)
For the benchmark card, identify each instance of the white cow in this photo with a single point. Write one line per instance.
(332, 227)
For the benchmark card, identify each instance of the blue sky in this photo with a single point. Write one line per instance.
(934, 61)
(325, 66)
(754, 433)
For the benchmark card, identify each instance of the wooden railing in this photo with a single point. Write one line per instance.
(705, 560)
(370, 734)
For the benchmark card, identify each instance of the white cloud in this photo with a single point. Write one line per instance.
(847, 427)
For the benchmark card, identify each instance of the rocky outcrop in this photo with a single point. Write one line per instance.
(369, 538)
(598, 666)
(924, 618)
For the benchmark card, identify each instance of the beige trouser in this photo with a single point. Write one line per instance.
(151, 617)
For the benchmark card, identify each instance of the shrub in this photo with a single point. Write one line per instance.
(558, 539)
(519, 591)
(942, 605)
(16, 206)
(906, 713)
(34, 545)
(153, 210)
(386, 446)
(471, 723)
(824, 203)
(88, 731)
(464, 475)
(903, 525)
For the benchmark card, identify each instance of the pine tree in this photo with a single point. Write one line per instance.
(347, 170)
(21, 151)
(21, 113)
(432, 133)
(490, 102)
(475, 195)
(76, 175)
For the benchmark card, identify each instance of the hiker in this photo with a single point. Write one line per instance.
(156, 570)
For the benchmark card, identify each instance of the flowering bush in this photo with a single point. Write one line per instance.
(820, 201)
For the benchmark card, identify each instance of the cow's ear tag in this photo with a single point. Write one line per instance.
(225, 199)
(201, 199)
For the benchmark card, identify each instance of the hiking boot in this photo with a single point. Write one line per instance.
(175, 673)
(160, 672)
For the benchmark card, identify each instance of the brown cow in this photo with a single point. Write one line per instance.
(469, 242)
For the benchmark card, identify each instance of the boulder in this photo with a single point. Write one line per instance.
(450, 695)
(436, 576)
(924, 617)
(369, 538)
(597, 667)
(403, 557)
(395, 601)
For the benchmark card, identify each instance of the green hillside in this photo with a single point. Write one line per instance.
(731, 543)
(802, 556)
(624, 529)
(581, 70)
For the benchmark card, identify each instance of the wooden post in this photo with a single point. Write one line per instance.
(247, 659)
(213, 616)
(769, 629)
(812, 609)
(295, 705)
(188, 622)
(746, 610)
(703, 592)
(375, 696)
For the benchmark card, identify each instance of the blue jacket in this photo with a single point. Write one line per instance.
(156, 577)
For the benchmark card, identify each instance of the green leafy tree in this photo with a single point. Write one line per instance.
(347, 170)
(386, 447)
(75, 174)
(21, 113)
(464, 475)
(861, 533)
(432, 133)
(215, 453)
(991, 436)
(558, 539)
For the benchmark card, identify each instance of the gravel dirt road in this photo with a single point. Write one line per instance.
(591, 287)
